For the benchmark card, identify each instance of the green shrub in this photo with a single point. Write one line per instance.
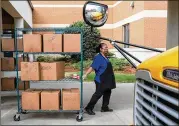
(86, 64)
(118, 63)
(50, 59)
(110, 55)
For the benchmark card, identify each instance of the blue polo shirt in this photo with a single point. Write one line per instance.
(99, 65)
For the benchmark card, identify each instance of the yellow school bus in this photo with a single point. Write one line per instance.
(96, 16)
(157, 90)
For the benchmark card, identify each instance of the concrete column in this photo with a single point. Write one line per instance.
(19, 23)
(172, 24)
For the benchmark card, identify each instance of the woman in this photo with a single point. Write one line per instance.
(104, 80)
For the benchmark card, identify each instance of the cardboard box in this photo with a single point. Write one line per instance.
(71, 99)
(72, 43)
(7, 64)
(20, 59)
(52, 71)
(31, 100)
(43, 32)
(32, 43)
(19, 45)
(50, 100)
(7, 84)
(52, 43)
(8, 44)
(22, 86)
(30, 71)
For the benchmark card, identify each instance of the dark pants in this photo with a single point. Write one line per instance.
(97, 95)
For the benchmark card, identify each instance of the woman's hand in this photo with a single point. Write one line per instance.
(84, 77)
(88, 72)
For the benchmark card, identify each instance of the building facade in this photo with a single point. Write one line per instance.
(137, 22)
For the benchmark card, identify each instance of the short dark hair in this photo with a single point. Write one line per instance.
(99, 47)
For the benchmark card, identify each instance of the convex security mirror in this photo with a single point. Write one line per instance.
(95, 14)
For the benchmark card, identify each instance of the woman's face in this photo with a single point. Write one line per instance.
(104, 49)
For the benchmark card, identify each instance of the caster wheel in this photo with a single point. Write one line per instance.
(17, 118)
(79, 119)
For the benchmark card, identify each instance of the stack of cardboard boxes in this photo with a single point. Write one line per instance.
(8, 84)
(51, 42)
(8, 64)
(43, 99)
(47, 43)
(42, 71)
(36, 99)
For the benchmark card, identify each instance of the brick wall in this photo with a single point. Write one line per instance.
(145, 31)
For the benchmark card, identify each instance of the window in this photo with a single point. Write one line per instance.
(126, 34)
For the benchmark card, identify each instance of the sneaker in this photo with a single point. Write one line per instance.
(89, 111)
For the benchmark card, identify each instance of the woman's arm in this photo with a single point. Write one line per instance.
(94, 66)
(87, 72)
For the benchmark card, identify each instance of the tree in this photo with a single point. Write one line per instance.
(90, 42)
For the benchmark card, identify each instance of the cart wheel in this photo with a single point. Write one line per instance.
(17, 118)
(79, 118)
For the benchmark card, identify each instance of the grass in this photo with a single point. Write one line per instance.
(125, 78)
(120, 77)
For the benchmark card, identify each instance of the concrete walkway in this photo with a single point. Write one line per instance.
(121, 102)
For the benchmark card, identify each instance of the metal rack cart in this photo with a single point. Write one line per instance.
(61, 31)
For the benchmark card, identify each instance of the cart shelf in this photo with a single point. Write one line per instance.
(67, 53)
(11, 51)
(62, 80)
(39, 111)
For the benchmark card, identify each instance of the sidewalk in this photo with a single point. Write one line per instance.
(121, 102)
